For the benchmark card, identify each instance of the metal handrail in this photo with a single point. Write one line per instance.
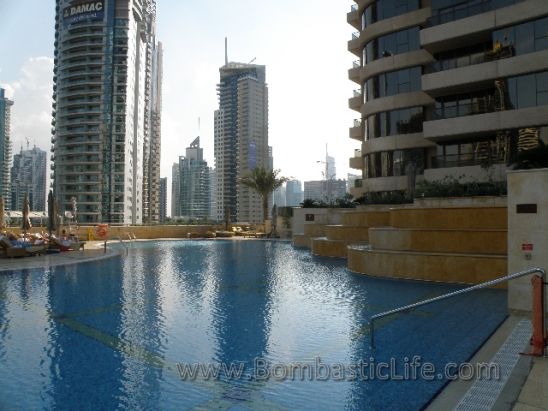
(453, 294)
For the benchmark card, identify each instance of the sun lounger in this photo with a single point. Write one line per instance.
(66, 245)
(11, 251)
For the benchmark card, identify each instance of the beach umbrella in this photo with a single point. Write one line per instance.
(26, 225)
(2, 226)
(52, 220)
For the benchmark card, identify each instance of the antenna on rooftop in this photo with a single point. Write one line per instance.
(254, 58)
(226, 51)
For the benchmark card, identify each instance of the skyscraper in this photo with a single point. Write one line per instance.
(5, 146)
(294, 195)
(28, 176)
(194, 183)
(103, 98)
(153, 138)
(241, 138)
(175, 191)
(330, 168)
(163, 199)
(212, 194)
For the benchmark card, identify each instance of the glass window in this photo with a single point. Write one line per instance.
(391, 44)
(526, 91)
(541, 34)
(525, 38)
(398, 162)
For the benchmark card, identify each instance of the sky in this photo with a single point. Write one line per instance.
(302, 43)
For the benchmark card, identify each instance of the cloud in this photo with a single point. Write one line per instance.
(32, 96)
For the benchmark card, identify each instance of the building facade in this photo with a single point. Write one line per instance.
(446, 88)
(153, 136)
(103, 98)
(175, 191)
(241, 139)
(324, 190)
(28, 177)
(194, 183)
(163, 199)
(5, 146)
(294, 194)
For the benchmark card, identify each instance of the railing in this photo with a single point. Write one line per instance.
(484, 104)
(470, 59)
(357, 123)
(453, 294)
(462, 160)
(355, 35)
(357, 93)
(466, 9)
(356, 64)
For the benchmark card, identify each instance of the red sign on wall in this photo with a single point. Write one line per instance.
(527, 247)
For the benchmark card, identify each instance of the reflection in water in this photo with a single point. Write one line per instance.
(111, 333)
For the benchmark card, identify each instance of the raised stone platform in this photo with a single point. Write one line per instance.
(479, 241)
(428, 266)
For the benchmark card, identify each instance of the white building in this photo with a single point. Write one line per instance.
(102, 103)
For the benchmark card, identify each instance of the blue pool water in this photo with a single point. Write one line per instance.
(109, 335)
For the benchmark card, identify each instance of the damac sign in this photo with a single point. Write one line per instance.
(83, 11)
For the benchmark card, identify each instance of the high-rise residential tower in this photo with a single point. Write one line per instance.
(241, 139)
(175, 191)
(194, 183)
(5, 146)
(163, 199)
(103, 98)
(153, 123)
(446, 88)
(28, 177)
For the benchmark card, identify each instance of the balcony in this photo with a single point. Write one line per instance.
(463, 10)
(356, 101)
(356, 132)
(354, 44)
(353, 17)
(465, 160)
(356, 162)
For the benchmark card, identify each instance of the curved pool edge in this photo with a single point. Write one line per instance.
(55, 260)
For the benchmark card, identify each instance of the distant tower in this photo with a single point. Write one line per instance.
(28, 176)
(175, 191)
(241, 138)
(5, 147)
(194, 183)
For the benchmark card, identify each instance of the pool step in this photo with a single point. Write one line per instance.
(467, 241)
(347, 233)
(429, 266)
(324, 247)
(365, 218)
(456, 218)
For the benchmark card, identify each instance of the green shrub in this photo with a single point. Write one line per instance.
(452, 187)
(384, 197)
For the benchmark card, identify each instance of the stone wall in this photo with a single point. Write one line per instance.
(526, 187)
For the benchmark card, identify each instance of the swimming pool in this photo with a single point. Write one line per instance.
(121, 333)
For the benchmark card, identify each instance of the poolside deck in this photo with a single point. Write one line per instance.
(94, 252)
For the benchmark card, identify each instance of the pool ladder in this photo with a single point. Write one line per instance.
(486, 284)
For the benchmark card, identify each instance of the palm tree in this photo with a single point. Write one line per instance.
(263, 182)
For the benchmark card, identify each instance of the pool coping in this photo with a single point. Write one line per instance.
(97, 252)
(452, 394)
